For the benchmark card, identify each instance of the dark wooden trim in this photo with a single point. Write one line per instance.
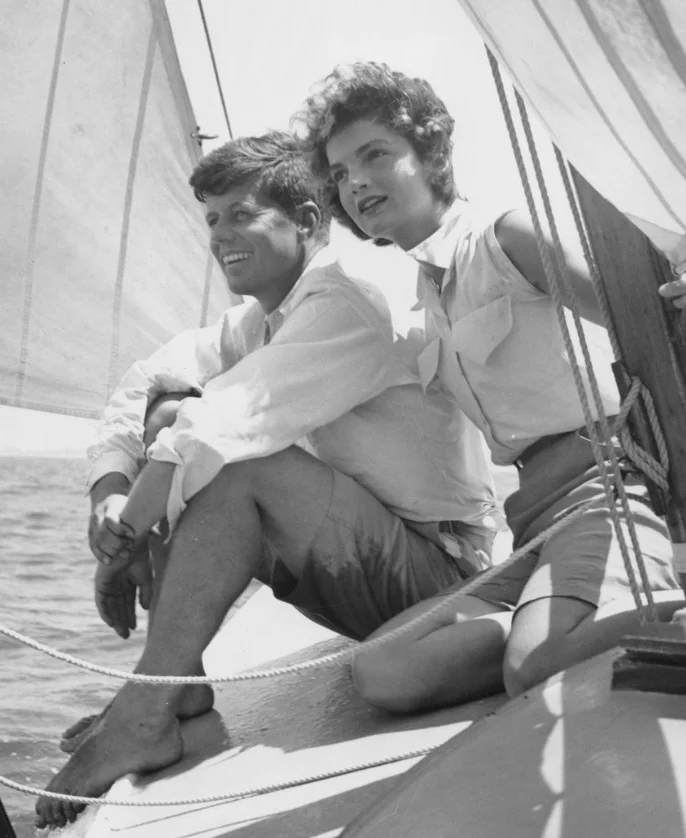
(651, 332)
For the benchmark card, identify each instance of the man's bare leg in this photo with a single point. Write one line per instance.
(195, 699)
(453, 657)
(214, 554)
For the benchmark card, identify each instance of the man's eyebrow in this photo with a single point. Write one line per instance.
(241, 204)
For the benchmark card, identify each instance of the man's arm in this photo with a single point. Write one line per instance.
(184, 364)
(329, 357)
(516, 236)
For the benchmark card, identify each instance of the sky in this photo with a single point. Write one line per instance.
(269, 53)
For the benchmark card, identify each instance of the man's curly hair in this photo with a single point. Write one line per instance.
(407, 106)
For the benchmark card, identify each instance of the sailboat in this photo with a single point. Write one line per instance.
(300, 754)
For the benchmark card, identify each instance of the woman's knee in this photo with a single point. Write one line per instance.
(162, 414)
(386, 682)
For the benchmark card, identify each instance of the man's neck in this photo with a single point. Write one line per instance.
(271, 302)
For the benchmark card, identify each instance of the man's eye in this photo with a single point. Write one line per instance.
(211, 222)
(373, 153)
(239, 215)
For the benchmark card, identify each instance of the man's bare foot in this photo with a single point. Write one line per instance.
(195, 700)
(138, 734)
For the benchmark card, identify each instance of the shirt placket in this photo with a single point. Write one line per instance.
(450, 368)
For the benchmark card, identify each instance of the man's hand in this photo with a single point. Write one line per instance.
(115, 591)
(108, 536)
(676, 290)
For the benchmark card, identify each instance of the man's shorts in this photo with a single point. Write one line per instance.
(366, 564)
(584, 559)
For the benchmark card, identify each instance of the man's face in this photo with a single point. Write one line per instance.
(256, 244)
(382, 184)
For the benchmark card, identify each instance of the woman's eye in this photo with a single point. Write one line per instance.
(240, 215)
(211, 222)
(338, 176)
(373, 153)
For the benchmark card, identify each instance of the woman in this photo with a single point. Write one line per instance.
(382, 141)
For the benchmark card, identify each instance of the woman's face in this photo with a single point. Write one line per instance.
(382, 184)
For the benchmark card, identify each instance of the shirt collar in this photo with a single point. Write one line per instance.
(438, 249)
(321, 259)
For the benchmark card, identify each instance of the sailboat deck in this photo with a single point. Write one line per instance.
(274, 731)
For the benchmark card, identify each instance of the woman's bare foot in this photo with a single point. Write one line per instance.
(195, 700)
(138, 734)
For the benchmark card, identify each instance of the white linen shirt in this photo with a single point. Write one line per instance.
(495, 341)
(330, 378)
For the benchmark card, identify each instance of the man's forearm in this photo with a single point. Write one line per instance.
(113, 483)
(147, 503)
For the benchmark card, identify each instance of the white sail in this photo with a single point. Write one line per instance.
(104, 253)
(608, 80)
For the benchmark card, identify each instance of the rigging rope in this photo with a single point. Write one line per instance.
(215, 68)
(325, 660)
(558, 280)
(267, 788)
(656, 471)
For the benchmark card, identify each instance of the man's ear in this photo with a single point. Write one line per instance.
(308, 218)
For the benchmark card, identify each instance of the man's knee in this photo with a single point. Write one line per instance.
(162, 414)
(258, 474)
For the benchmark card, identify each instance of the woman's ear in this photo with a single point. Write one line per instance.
(308, 218)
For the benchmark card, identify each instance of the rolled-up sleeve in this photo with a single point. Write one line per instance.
(330, 356)
(185, 364)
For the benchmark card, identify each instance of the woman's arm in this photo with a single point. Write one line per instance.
(516, 236)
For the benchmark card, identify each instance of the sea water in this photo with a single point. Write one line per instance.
(46, 589)
(46, 592)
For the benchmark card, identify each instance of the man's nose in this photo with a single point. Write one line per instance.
(222, 232)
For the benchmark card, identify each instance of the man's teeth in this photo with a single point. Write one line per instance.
(232, 258)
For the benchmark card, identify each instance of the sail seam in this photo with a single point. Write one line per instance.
(641, 103)
(35, 210)
(128, 201)
(206, 291)
(661, 25)
(615, 133)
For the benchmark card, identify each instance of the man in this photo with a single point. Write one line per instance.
(305, 454)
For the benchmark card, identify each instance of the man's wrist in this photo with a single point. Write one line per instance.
(113, 483)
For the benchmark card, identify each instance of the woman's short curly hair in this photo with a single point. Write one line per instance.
(369, 90)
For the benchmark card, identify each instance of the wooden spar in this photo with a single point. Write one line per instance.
(651, 334)
(652, 337)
